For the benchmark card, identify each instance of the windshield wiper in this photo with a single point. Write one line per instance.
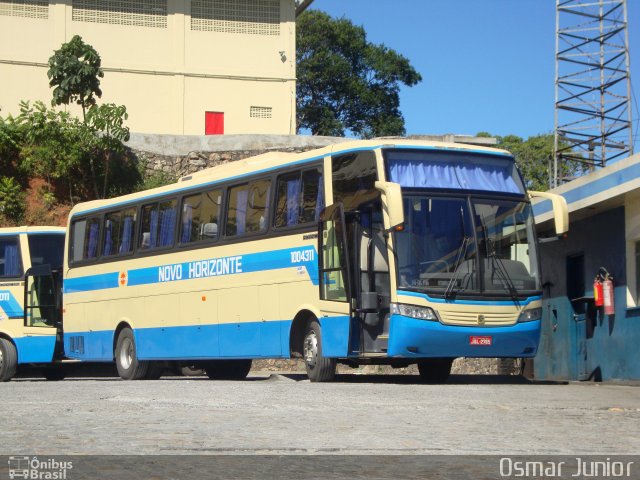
(502, 272)
(460, 256)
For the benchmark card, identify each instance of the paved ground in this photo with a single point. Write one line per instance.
(287, 414)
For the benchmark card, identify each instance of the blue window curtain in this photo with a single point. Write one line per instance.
(127, 235)
(167, 226)
(187, 222)
(11, 261)
(107, 237)
(293, 201)
(92, 244)
(153, 229)
(473, 173)
(241, 211)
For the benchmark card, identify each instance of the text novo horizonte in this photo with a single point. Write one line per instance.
(200, 269)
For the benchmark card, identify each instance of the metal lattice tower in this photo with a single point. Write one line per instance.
(593, 87)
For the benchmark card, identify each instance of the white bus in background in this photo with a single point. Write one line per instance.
(371, 252)
(30, 267)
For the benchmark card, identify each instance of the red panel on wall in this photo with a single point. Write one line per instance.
(213, 123)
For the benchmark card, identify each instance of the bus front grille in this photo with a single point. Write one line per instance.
(477, 318)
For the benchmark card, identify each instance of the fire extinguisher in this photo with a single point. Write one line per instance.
(603, 291)
(598, 293)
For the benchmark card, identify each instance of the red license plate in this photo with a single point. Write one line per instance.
(480, 341)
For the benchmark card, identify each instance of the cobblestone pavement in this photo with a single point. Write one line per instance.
(283, 414)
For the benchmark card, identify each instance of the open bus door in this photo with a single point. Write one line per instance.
(329, 337)
(43, 316)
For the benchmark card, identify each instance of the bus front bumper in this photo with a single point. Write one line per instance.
(413, 338)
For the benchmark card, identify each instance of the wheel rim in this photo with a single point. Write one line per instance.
(1, 359)
(311, 349)
(126, 354)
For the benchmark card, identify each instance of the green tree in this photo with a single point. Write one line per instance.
(11, 200)
(74, 71)
(345, 82)
(106, 124)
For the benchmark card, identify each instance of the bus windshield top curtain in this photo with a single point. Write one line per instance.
(459, 172)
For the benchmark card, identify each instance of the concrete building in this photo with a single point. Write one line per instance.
(579, 341)
(180, 66)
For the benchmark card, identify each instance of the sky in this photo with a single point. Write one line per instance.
(487, 65)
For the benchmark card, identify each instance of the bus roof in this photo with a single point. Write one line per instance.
(272, 160)
(36, 230)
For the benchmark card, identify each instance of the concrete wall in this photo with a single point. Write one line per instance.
(167, 73)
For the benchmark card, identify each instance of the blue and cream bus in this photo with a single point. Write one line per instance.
(371, 252)
(30, 286)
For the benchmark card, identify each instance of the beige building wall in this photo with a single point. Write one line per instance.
(168, 61)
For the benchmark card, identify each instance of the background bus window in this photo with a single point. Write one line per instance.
(354, 177)
(10, 261)
(90, 240)
(247, 211)
(200, 216)
(46, 249)
(158, 224)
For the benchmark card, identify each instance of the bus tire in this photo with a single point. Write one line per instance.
(435, 370)
(227, 369)
(8, 360)
(129, 367)
(319, 368)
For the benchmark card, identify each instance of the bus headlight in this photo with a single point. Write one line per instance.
(420, 313)
(530, 315)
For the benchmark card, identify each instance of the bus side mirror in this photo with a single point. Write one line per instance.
(392, 203)
(560, 210)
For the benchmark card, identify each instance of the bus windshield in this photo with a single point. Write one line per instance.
(465, 245)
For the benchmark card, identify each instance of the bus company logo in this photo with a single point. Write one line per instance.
(123, 279)
(35, 469)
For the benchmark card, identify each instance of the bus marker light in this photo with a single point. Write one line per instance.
(480, 341)
(204, 299)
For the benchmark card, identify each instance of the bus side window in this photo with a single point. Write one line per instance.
(10, 261)
(158, 224)
(200, 216)
(85, 235)
(354, 177)
(300, 198)
(247, 208)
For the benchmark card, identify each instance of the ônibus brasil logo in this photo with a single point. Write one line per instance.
(33, 468)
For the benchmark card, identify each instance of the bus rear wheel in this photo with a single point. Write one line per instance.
(129, 367)
(319, 368)
(435, 370)
(8, 360)
(227, 369)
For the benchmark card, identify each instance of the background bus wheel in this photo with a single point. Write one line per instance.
(8, 360)
(129, 367)
(227, 369)
(435, 370)
(319, 368)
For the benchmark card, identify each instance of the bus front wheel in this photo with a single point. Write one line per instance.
(129, 367)
(435, 370)
(8, 360)
(319, 368)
